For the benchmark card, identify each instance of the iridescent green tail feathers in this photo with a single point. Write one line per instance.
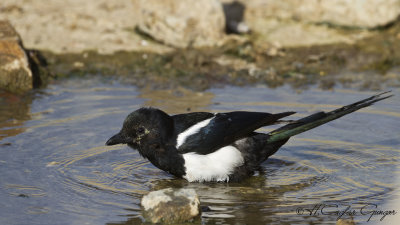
(319, 118)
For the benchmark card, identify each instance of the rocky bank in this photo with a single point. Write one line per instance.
(192, 44)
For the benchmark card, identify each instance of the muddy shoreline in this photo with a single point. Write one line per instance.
(369, 64)
(101, 37)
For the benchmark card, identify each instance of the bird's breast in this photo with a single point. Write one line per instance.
(216, 166)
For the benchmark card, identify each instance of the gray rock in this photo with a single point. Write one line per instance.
(73, 26)
(183, 23)
(351, 13)
(170, 206)
(15, 73)
(294, 23)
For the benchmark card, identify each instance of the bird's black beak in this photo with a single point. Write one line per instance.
(116, 139)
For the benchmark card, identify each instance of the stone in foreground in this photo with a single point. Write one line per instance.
(170, 206)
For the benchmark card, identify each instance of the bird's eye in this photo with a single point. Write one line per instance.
(141, 130)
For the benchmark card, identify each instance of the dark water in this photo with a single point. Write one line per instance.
(55, 169)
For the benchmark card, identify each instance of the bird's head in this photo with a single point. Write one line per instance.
(143, 127)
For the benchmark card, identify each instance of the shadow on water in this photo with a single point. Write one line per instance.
(55, 168)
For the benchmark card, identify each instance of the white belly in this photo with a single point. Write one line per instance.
(216, 166)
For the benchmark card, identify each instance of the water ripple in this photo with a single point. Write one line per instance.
(56, 160)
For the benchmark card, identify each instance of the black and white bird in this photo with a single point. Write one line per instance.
(203, 146)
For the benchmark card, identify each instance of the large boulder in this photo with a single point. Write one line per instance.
(294, 23)
(183, 23)
(15, 73)
(349, 13)
(170, 206)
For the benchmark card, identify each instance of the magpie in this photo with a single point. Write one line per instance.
(206, 147)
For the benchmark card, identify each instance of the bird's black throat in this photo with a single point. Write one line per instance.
(164, 157)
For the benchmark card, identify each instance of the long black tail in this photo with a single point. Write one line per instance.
(317, 119)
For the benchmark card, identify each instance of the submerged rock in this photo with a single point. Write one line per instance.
(170, 206)
(183, 23)
(15, 74)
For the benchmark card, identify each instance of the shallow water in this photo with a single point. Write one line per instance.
(55, 169)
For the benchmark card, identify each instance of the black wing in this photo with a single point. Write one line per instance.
(225, 128)
(184, 121)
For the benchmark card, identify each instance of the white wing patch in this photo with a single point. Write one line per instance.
(190, 131)
(216, 166)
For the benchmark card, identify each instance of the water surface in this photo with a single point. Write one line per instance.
(55, 169)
